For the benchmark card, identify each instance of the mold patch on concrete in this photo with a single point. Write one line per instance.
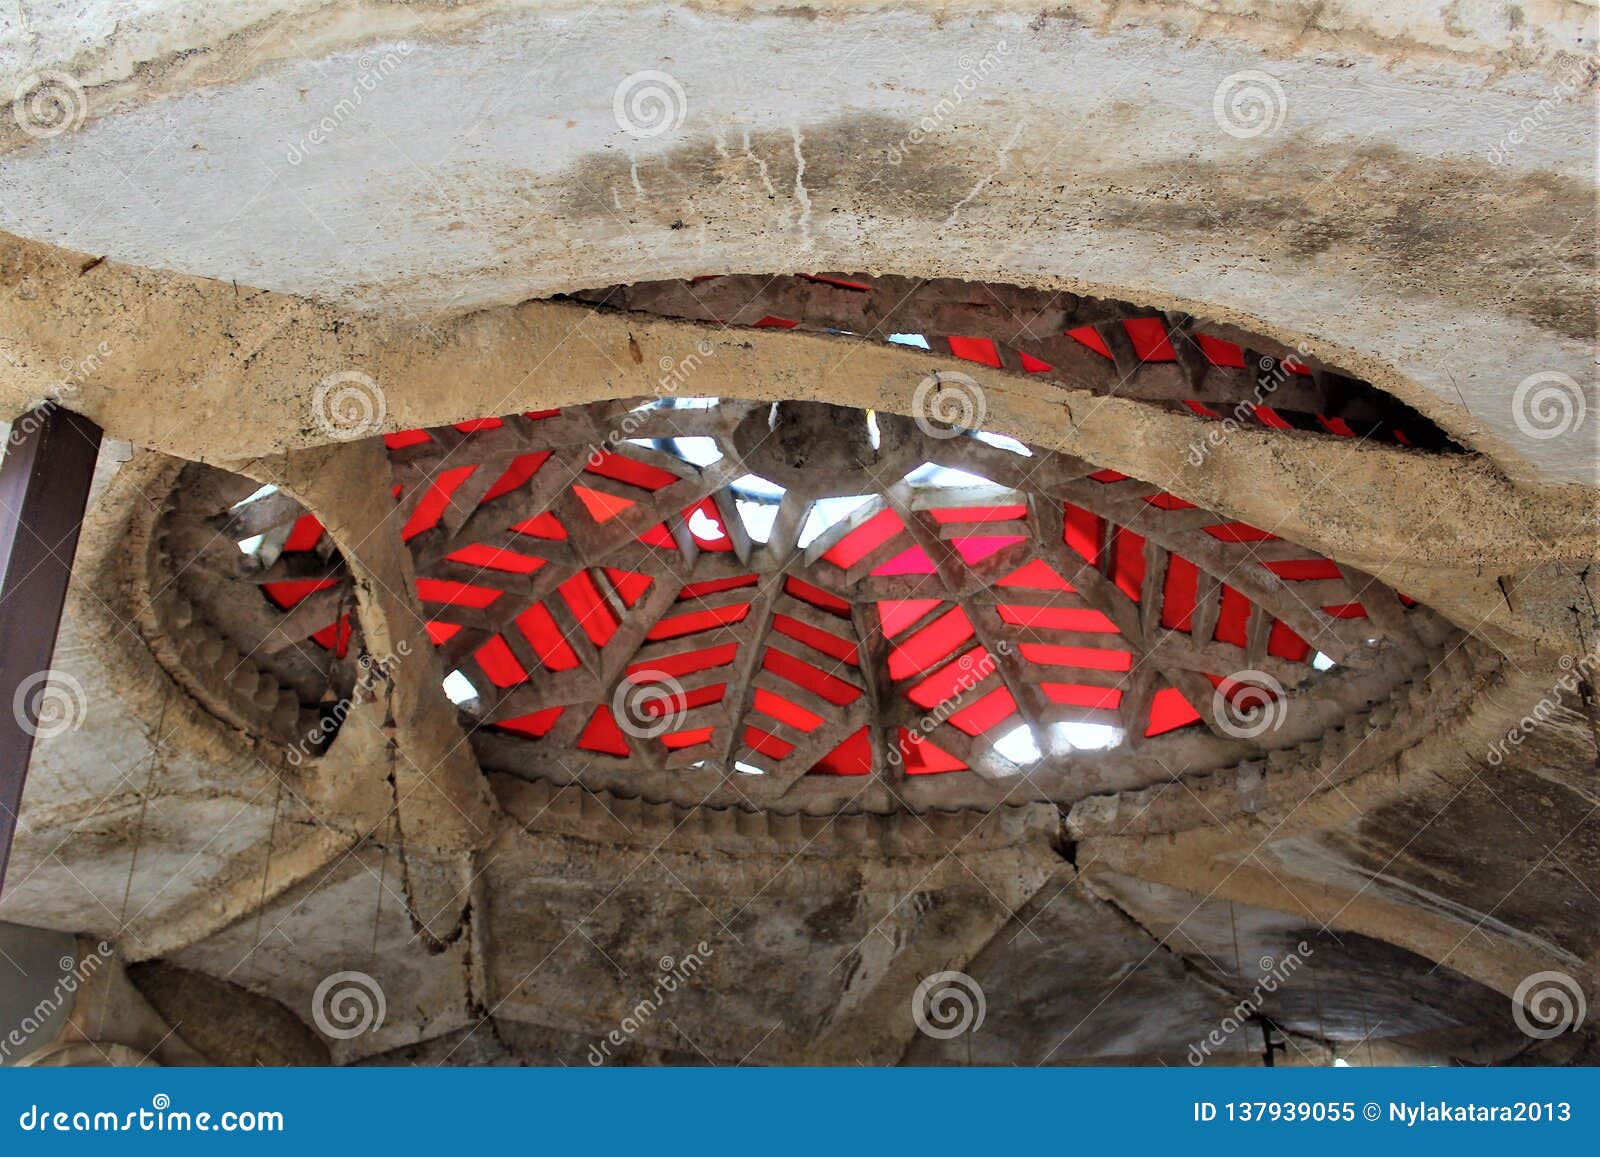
(1485, 237)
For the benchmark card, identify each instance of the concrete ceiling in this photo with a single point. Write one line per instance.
(1419, 209)
(422, 161)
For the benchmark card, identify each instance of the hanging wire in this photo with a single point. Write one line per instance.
(1238, 966)
(377, 910)
(144, 807)
(266, 867)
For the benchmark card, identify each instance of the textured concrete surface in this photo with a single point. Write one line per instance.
(474, 160)
(1420, 205)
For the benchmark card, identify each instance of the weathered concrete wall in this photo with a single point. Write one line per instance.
(1419, 203)
(416, 160)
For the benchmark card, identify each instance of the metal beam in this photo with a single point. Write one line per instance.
(44, 488)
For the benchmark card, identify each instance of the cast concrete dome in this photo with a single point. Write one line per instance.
(978, 533)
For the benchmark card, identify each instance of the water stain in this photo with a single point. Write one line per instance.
(1462, 229)
(863, 163)
(1483, 237)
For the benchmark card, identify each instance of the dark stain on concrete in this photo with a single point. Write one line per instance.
(1463, 229)
(1426, 226)
(1443, 852)
(1060, 18)
(836, 921)
(850, 166)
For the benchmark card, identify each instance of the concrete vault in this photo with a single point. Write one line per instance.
(850, 534)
